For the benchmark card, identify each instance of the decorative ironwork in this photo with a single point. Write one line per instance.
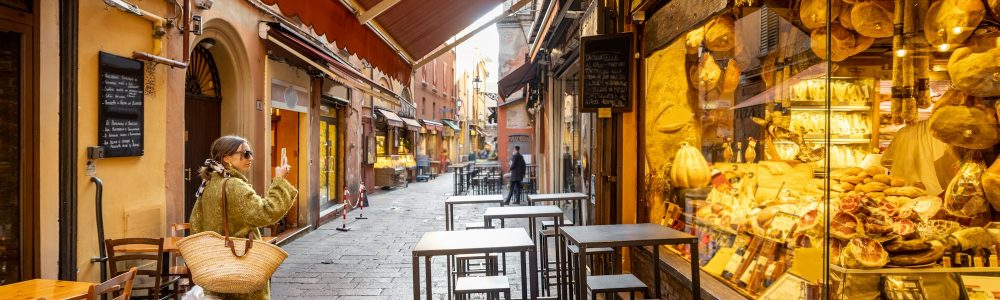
(202, 75)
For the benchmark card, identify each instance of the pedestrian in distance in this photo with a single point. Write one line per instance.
(227, 167)
(517, 168)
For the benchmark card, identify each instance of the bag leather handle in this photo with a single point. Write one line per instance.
(225, 225)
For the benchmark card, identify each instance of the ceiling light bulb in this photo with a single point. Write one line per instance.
(901, 53)
(957, 30)
(944, 47)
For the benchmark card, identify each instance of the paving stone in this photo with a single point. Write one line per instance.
(372, 260)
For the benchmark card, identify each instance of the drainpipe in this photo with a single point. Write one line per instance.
(100, 228)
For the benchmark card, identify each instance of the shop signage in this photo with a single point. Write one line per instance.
(120, 105)
(607, 72)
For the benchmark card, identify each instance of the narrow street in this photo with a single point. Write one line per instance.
(372, 260)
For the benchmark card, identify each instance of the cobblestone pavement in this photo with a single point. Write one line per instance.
(372, 260)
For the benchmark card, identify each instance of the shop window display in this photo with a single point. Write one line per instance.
(845, 149)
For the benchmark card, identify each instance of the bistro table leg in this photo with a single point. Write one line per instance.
(416, 277)
(447, 272)
(656, 269)
(524, 276)
(557, 220)
(533, 264)
(695, 272)
(581, 272)
(427, 273)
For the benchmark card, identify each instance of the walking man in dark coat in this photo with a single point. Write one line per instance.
(517, 168)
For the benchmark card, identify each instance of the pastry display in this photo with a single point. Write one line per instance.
(862, 145)
(842, 92)
(842, 124)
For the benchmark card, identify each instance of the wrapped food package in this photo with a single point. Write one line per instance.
(731, 79)
(976, 73)
(991, 184)
(813, 12)
(845, 43)
(873, 18)
(965, 197)
(693, 39)
(719, 33)
(952, 21)
(960, 124)
(708, 73)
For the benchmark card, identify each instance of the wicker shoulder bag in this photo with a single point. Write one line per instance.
(217, 266)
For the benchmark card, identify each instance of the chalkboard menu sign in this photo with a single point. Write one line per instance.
(120, 107)
(607, 72)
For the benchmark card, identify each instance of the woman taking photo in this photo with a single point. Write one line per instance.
(230, 161)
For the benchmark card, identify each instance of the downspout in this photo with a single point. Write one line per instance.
(186, 26)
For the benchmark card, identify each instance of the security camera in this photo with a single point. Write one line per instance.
(124, 6)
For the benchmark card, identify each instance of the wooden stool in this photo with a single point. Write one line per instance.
(607, 254)
(463, 263)
(465, 286)
(548, 224)
(609, 284)
(475, 225)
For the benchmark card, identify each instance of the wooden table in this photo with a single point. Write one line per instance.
(169, 246)
(531, 212)
(449, 206)
(631, 235)
(45, 288)
(577, 198)
(448, 243)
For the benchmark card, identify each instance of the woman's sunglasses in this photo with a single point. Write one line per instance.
(247, 154)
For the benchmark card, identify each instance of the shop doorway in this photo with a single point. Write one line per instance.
(202, 111)
(285, 135)
(18, 204)
(331, 176)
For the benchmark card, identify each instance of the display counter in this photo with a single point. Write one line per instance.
(826, 149)
(390, 171)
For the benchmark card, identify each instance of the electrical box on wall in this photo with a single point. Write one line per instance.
(95, 152)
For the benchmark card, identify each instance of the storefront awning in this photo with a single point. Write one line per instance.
(390, 118)
(418, 27)
(284, 41)
(411, 124)
(451, 124)
(517, 79)
(339, 24)
(431, 125)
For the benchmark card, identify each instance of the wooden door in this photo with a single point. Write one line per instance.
(606, 171)
(18, 138)
(202, 114)
(201, 122)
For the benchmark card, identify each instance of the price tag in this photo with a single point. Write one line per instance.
(604, 112)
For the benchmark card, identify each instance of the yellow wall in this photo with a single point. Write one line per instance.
(48, 193)
(134, 198)
(143, 195)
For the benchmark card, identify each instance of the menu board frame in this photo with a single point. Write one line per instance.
(121, 111)
(616, 44)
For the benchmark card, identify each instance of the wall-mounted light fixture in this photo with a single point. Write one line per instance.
(196, 27)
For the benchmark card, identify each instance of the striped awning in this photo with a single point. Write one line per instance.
(390, 118)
